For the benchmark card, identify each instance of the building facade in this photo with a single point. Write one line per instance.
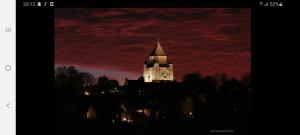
(157, 68)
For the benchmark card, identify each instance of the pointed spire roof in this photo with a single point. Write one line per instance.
(158, 50)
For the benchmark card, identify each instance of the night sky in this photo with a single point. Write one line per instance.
(116, 42)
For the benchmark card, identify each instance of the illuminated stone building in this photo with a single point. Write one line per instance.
(157, 68)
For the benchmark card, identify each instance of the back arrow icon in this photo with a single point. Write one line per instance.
(8, 105)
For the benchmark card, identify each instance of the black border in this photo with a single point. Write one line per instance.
(35, 75)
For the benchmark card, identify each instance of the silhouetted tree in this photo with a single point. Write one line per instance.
(246, 79)
(192, 78)
(68, 81)
(88, 78)
(68, 88)
(220, 78)
(113, 84)
(104, 84)
(192, 82)
(231, 88)
(209, 86)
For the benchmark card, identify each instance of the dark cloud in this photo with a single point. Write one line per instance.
(119, 40)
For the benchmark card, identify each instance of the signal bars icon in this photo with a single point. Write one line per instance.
(8, 29)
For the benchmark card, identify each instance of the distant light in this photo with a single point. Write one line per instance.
(140, 111)
(113, 121)
(124, 119)
(129, 121)
(86, 93)
(102, 92)
(190, 113)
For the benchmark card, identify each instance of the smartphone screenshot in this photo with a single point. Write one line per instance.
(138, 67)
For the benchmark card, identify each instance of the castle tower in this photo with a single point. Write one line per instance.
(157, 68)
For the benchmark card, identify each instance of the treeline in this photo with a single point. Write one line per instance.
(69, 80)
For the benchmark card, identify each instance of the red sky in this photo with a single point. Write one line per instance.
(116, 42)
